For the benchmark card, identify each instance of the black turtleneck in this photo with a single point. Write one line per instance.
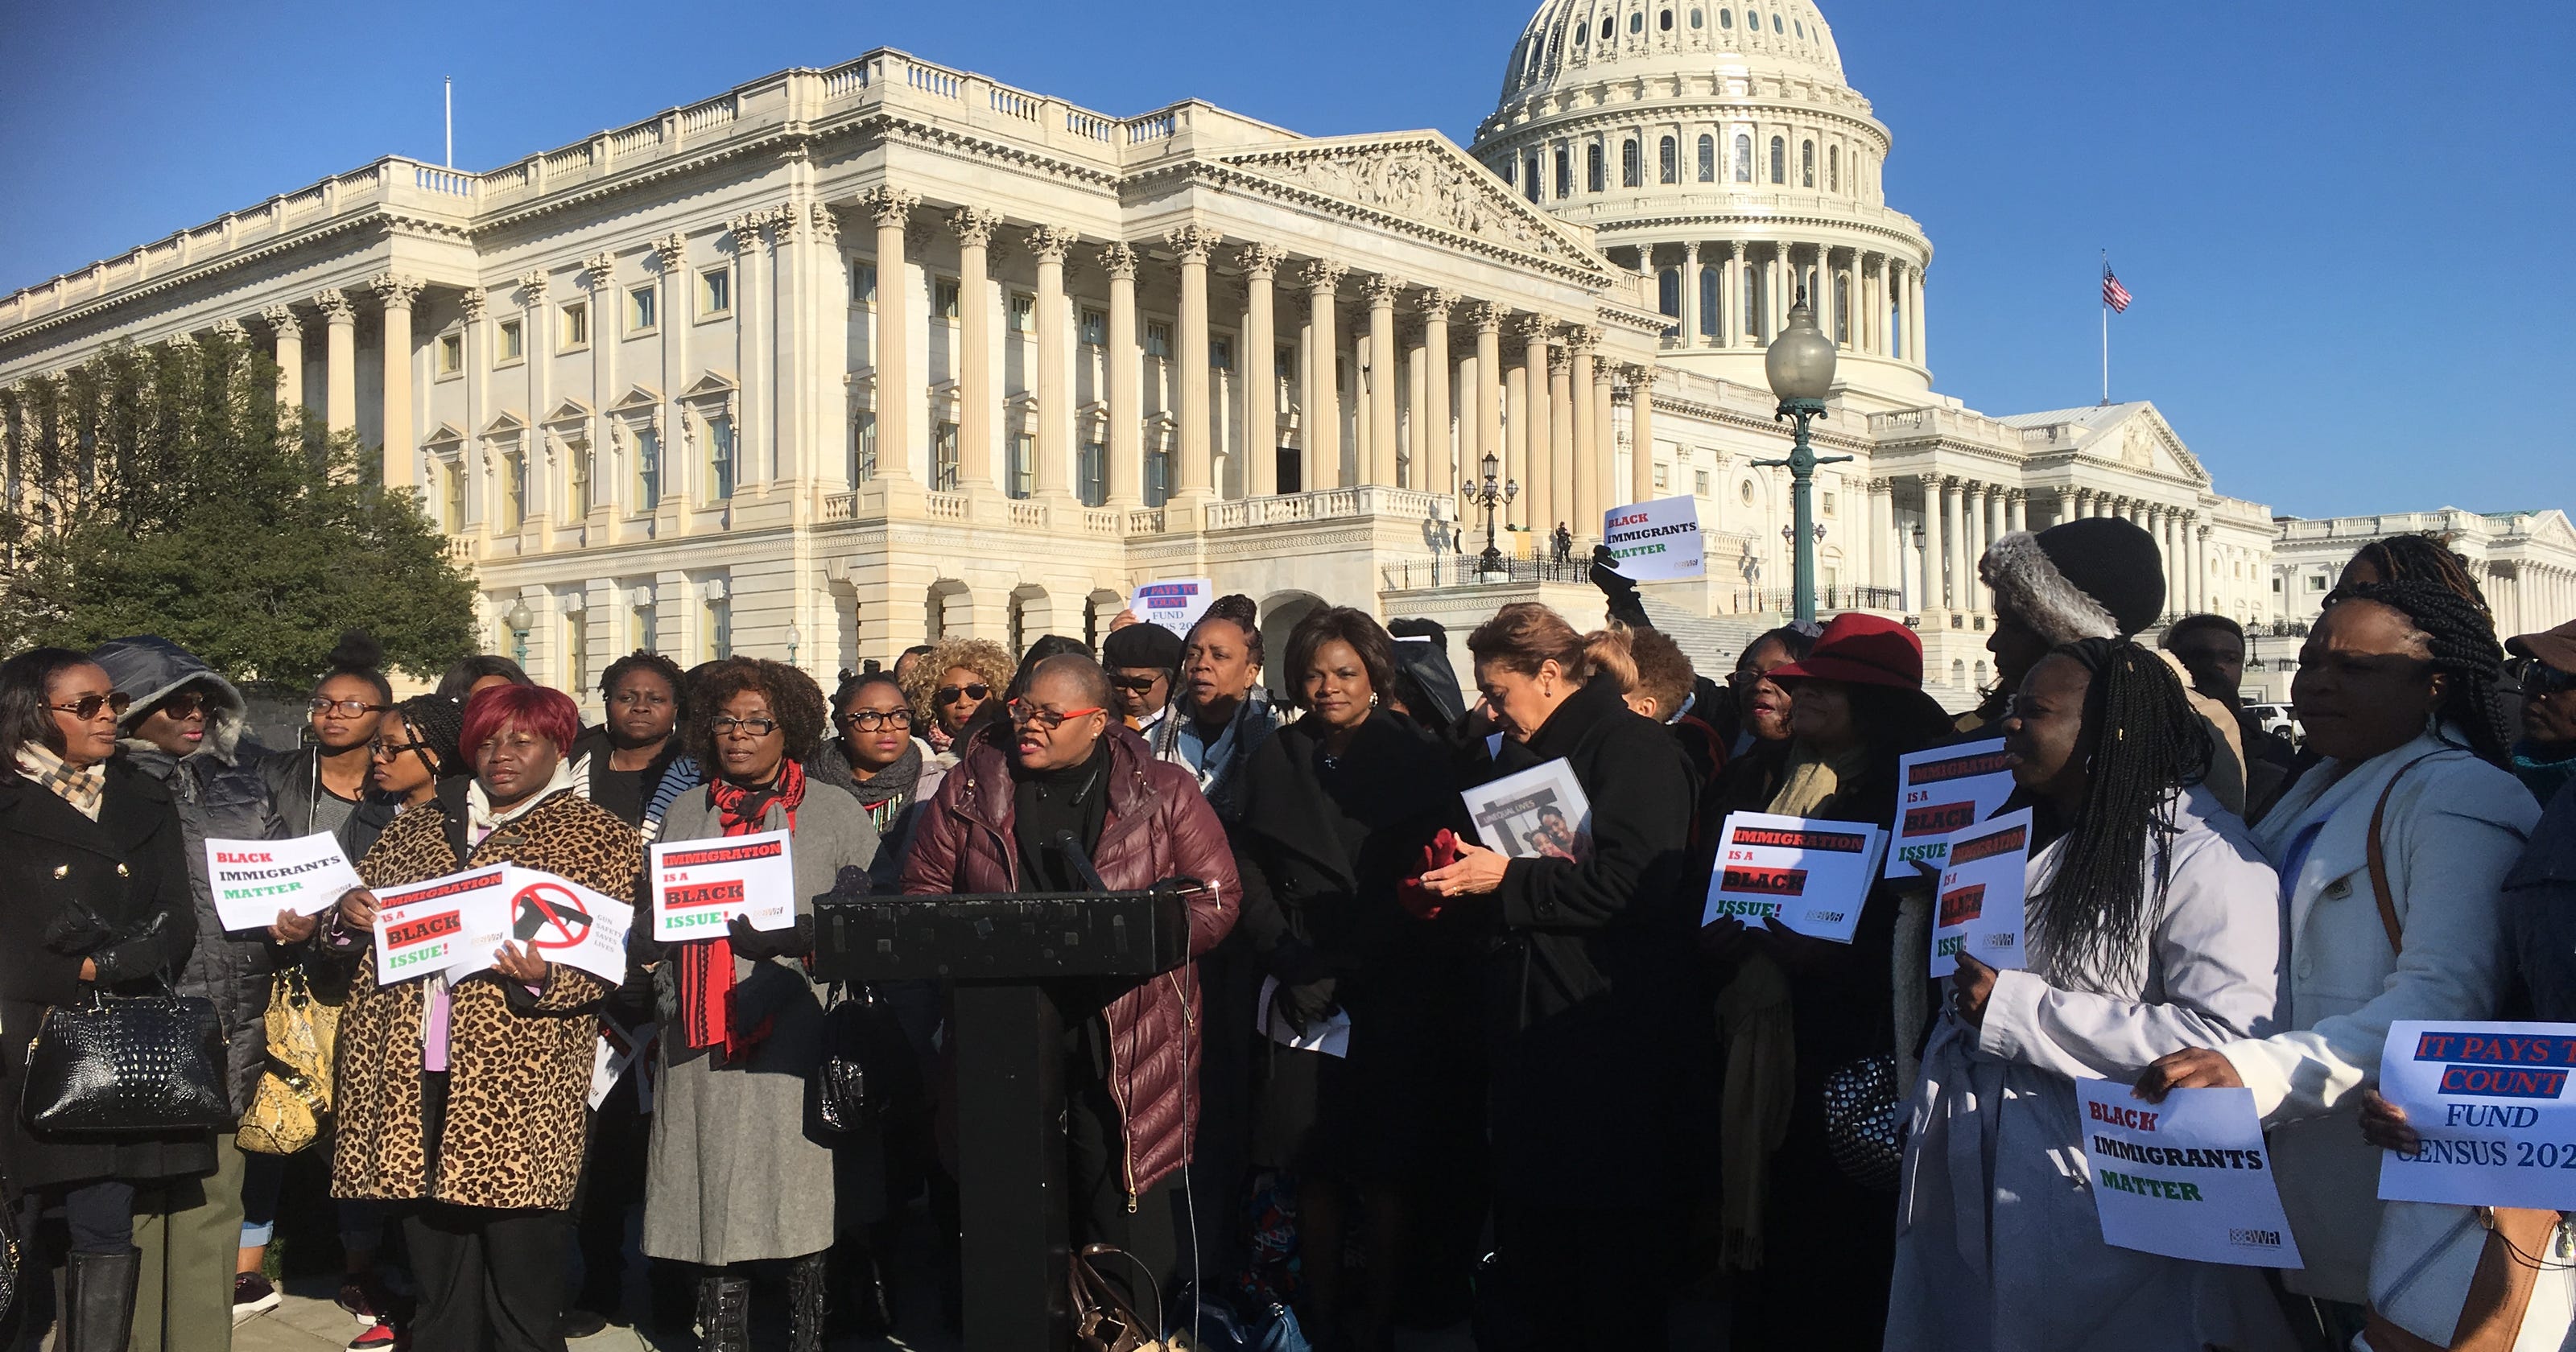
(1048, 802)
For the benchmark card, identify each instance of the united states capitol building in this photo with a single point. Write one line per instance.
(844, 359)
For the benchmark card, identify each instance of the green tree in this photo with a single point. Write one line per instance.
(158, 490)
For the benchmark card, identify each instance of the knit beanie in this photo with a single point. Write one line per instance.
(1141, 645)
(2093, 577)
(440, 722)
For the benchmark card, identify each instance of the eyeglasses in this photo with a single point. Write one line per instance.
(347, 708)
(384, 750)
(2538, 678)
(869, 720)
(185, 704)
(1046, 720)
(1136, 682)
(87, 706)
(723, 724)
(948, 694)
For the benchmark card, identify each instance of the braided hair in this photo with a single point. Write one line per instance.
(2456, 631)
(2424, 558)
(2141, 740)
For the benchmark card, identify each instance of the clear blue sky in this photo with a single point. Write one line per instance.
(2345, 221)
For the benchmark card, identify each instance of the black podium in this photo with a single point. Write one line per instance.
(1001, 951)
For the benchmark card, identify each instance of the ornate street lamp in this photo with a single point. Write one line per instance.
(520, 622)
(795, 639)
(1801, 368)
(1489, 494)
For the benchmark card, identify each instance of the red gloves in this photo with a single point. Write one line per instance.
(1411, 894)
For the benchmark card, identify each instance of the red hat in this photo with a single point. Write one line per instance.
(1859, 649)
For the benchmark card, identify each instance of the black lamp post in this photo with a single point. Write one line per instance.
(1801, 368)
(1490, 494)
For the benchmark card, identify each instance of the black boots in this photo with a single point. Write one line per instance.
(98, 1304)
(805, 1303)
(724, 1311)
(861, 1303)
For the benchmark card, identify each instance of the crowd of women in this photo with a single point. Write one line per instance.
(1405, 1079)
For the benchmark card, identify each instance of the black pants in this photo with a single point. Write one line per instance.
(612, 1181)
(490, 1281)
(1096, 1197)
(1590, 1278)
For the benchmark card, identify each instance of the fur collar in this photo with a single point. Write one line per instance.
(2026, 582)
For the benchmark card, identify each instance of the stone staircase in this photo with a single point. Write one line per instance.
(1712, 642)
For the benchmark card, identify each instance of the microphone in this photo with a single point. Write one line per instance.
(1071, 847)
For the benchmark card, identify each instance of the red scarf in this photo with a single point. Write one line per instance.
(706, 965)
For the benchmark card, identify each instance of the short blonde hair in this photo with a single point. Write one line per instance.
(990, 662)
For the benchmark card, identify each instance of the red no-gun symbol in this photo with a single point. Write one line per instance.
(549, 916)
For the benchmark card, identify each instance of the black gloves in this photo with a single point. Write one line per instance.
(795, 942)
(1619, 590)
(1304, 1006)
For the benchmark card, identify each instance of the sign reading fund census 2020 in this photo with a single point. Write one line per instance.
(2492, 1103)
(701, 885)
(1655, 540)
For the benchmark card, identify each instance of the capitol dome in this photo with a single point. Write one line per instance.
(1715, 147)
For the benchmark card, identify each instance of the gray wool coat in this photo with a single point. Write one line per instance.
(733, 1175)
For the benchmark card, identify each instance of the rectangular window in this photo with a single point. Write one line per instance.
(2316, 582)
(943, 457)
(863, 448)
(577, 457)
(451, 353)
(1592, 181)
(1158, 341)
(943, 298)
(1221, 353)
(1708, 159)
(719, 630)
(1699, 482)
(451, 483)
(1024, 466)
(1158, 477)
(1663, 476)
(721, 464)
(1829, 504)
(1564, 172)
(510, 344)
(577, 649)
(1283, 361)
(1632, 170)
(1092, 474)
(1095, 329)
(1668, 161)
(576, 325)
(715, 292)
(514, 490)
(641, 309)
(1024, 312)
(863, 282)
(648, 469)
(648, 631)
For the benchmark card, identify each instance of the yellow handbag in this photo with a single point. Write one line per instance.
(294, 1094)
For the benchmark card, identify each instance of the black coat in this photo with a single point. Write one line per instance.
(115, 890)
(1592, 998)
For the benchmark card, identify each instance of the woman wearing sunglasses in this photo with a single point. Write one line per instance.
(93, 894)
(957, 687)
(316, 788)
(2543, 667)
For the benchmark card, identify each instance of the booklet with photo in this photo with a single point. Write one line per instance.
(1540, 813)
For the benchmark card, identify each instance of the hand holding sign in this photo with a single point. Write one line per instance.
(699, 885)
(2190, 1177)
(1946, 789)
(254, 880)
(2492, 1108)
(562, 921)
(1654, 541)
(452, 925)
(1811, 876)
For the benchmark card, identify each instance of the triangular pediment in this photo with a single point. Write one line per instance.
(1423, 180)
(445, 434)
(712, 385)
(640, 397)
(507, 424)
(570, 410)
(2147, 442)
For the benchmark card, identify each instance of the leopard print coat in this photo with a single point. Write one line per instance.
(518, 1067)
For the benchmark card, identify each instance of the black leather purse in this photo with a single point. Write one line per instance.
(126, 1065)
(868, 1068)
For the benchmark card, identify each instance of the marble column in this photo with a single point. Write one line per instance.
(1538, 486)
(1049, 244)
(975, 404)
(339, 359)
(399, 293)
(2101, 504)
(1690, 294)
(1195, 476)
(1125, 471)
(1383, 467)
(1605, 429)
(2199, 536)
(1730, 295)
(1824, 294)
(2020, 511)
(1516, 444)
(1972, 547)
(1560, 448)
(289, 329)
(1488, 319)
(1260, 263)
(1641, 434)
(1323, 394)
(895, 393)
(1582, 402)
(1961, 569)
(1936, 550)
(1433, 472)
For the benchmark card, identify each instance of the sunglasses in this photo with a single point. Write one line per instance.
(949, 694)
(350, 708)
(1136, 682)
(1046, 720)
(185, 704)
(869, 720)
(87, 706)
(2538, 679)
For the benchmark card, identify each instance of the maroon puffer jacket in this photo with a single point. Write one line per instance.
(1159, 827)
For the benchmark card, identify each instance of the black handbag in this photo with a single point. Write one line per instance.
(1865, 1122)
(12, 1255)
(126, 1065)
(867, 1067)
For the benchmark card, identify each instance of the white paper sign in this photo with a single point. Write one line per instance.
(2187, 1178)
(1657, 540)
(1945, 789)
(1539, 813)
(1175, 604)
(452, 925)
(1979, 907)
(1812, 876)
(1330, 1035)
(255, 879)
(562, 921)
(2491, 1101)
(619, 1047)
(699, 885)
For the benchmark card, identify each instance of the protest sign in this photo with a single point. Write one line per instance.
(1540, 813)
(253, 880)
(452, 925)
(1175, 604)
(2186, 1178)
(1655, 541)
(1979, 906)
(562, 921)
(1812, 876)
(2492, 1105)
(618, 1048)
(699, 885)
(1944, 790)
(1330, 1035)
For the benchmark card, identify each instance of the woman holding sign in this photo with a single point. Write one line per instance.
(735, 1178)
(466, 1099)
(2148, 929)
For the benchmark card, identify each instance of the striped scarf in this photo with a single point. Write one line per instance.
(706, 965)
(82, 786)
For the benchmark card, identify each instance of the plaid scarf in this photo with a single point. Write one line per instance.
(706, 965)
(84, 787)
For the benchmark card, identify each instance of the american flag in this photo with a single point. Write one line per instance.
(2113, 294)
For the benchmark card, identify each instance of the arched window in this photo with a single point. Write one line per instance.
(1632, 169)
(1668, 294)
(1842, 309)
(1532, 186)
(1726, 18)
(1664, 21)
(1806, 164)
(1609, 26)
(1743, 158)
(1710, 316)
(1800, 28)
(1670, 160)
(1695, 19)
(1592, 167)
(1708, 159)
(1833, 168)
(1509, 167)
(1637, 21)
(1780, 161)
(1581, 31)
(1749, 286)
(1775, 24)
(1564, 172)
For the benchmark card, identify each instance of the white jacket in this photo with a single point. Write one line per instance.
(2454, 828)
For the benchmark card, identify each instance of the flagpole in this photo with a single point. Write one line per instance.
(2106, 333)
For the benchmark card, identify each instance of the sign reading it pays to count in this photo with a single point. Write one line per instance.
(1654, 541)
(1811, 876)
(1175, 604)
(1946, 789)
(701, 885)
(2186, 1178)
(2492, 1104)
(1980, 904)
